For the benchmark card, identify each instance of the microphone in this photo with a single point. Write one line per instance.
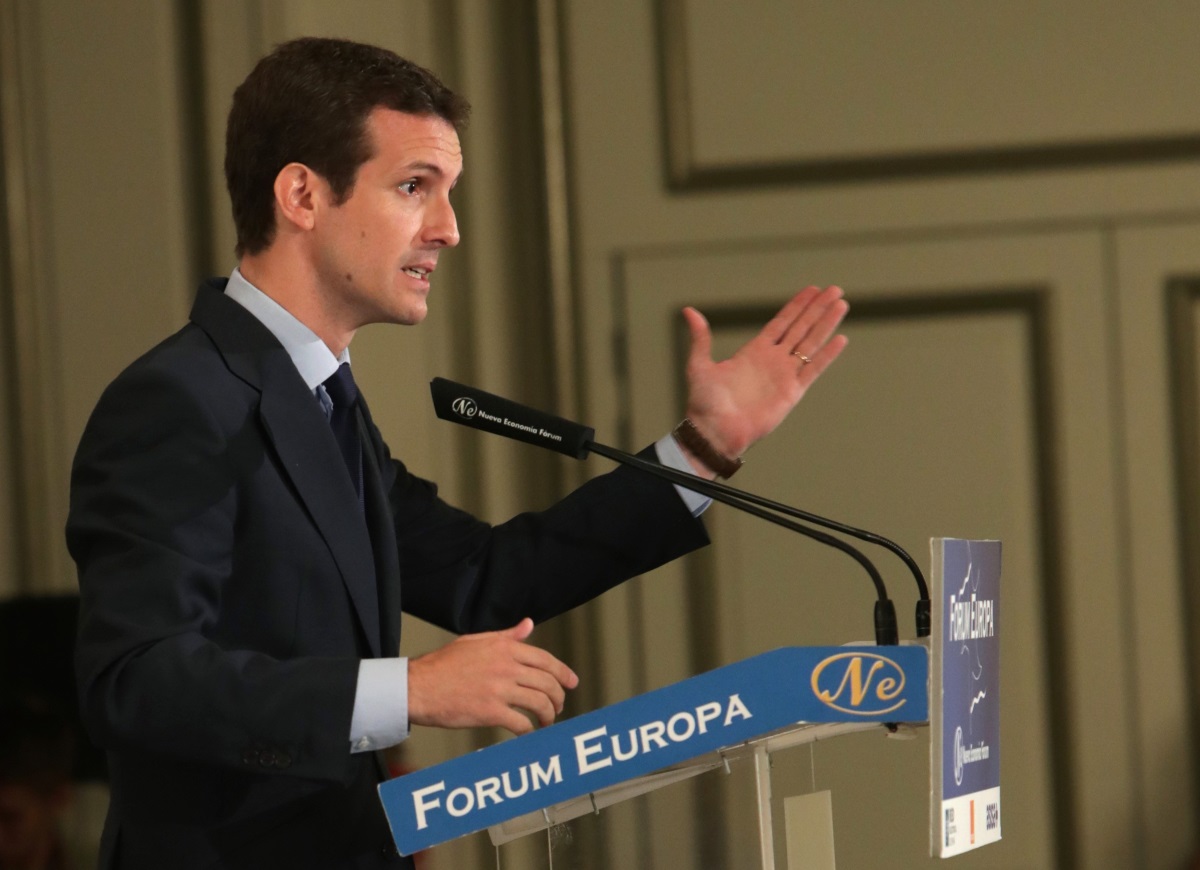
(479, 410)
(472, 407)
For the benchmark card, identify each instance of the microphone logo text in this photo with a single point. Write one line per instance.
(465, 407)
(864, 684)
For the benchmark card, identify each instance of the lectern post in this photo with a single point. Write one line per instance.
(766, 828)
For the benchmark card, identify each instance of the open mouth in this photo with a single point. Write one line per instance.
(417, 272)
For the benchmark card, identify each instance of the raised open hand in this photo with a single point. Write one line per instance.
(735, 402)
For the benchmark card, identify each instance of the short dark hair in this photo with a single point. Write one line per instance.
(308, 102)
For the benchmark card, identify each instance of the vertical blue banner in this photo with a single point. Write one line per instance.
(966, 719)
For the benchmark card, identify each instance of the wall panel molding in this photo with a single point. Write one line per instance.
(1183, 351)
(688, 170)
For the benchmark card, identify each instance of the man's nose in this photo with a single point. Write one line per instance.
(441, 225)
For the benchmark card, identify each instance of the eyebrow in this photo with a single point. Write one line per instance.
(423, 166)
(427, 167)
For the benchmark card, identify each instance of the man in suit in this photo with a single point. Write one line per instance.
(245, 541)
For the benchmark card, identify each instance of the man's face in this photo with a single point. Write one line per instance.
(376, 251)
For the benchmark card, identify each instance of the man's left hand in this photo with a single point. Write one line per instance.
(735, 402)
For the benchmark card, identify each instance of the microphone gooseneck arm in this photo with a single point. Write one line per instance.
(886, 632)
(711, 487)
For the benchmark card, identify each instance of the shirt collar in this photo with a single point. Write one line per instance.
(309, 354)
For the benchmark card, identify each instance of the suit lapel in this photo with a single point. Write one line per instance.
(300, 435)
(311, 458)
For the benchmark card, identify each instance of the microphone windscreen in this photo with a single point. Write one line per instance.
(479, 410)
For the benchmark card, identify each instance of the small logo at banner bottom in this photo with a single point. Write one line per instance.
(958, 755)
(839, 682)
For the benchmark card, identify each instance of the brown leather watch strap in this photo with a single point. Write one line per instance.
(689, 436)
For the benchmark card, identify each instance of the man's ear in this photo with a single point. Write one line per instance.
(298, 190)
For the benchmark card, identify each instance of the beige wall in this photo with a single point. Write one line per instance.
(1007, 192)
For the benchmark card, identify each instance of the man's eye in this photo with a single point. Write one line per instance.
(410, 187)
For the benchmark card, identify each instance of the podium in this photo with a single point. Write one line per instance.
(746, 710)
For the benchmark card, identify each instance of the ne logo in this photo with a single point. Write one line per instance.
(863, 684)
(465, 407)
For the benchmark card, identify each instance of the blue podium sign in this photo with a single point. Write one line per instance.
(965, 719)
(716, 710)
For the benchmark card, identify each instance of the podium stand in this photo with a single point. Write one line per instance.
(758, 750)
(749, 709)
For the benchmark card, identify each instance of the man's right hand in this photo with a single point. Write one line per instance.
(488, 679)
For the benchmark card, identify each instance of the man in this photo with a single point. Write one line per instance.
(245, 541)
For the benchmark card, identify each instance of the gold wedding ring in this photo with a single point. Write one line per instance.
(803, 359)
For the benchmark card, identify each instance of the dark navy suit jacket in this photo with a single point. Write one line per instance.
(231, 583)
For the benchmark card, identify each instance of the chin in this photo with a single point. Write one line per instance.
(411, 317)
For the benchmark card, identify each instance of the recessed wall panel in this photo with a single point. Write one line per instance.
(947, 415)
(927, 428)
(884, 85)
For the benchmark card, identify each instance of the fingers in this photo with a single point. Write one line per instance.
(536, 704)
(511, 719)
(547, 682)
(809, 347)
(809, 318)
(541, 661)
(538, 685)
(822, 359)
(777, 327)
(701, 349)
(814, 325)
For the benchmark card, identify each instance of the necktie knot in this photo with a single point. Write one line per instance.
(340, 386)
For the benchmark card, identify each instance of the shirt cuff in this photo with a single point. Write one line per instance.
(671, 456)
(380, 717)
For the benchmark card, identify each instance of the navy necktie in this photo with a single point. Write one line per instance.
(344, 394)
